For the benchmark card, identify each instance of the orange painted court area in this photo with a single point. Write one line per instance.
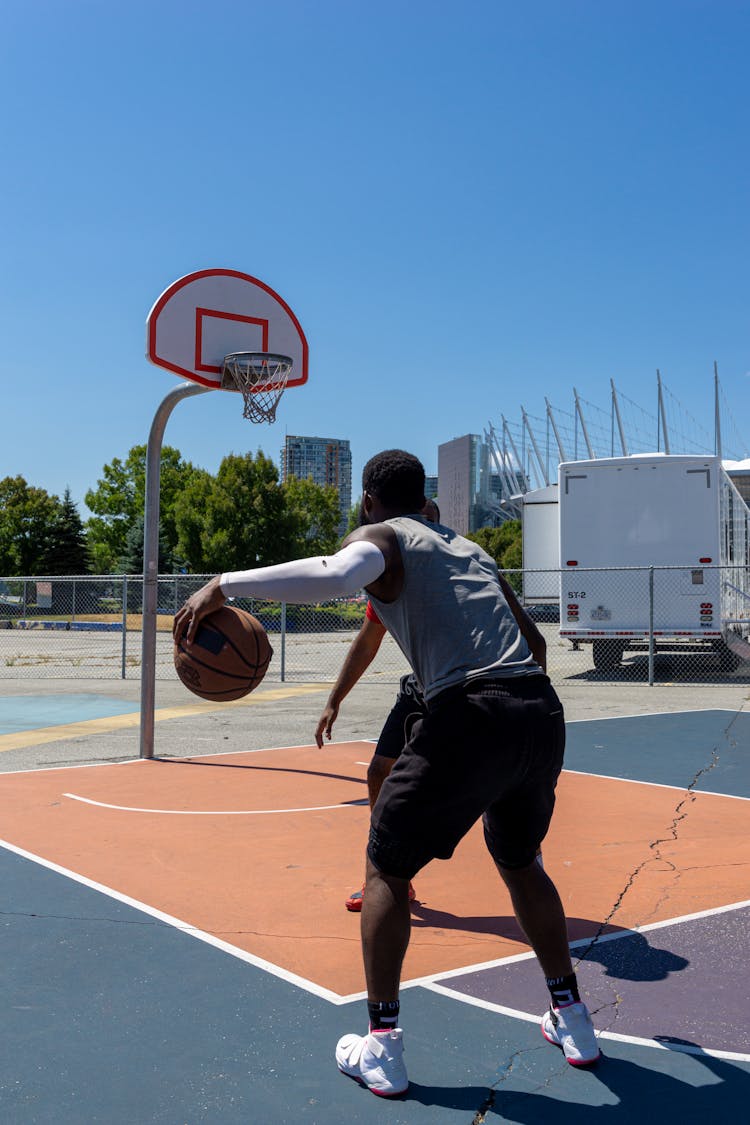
(261, 849)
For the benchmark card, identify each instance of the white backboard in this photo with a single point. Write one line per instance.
(206, 315)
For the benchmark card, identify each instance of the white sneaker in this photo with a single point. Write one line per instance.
(376, 1060)
(570, 1027)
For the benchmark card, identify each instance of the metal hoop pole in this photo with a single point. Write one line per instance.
(151, 559)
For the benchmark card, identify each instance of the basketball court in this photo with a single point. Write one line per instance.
(177, 947)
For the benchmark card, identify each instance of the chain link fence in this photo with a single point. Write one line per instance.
(650, 625)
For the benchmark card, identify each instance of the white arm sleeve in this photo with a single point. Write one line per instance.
(309, 580)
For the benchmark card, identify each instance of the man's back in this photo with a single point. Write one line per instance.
(451, 619)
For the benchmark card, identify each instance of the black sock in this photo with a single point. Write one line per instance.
(383, 1014)
(563, 990)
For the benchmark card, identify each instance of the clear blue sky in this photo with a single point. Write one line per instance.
(469, 207)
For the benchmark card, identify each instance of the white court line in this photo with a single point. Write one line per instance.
(635, 1040)
(184, 927)
(215, 812)
(656, 714)
(432, 984)
(658, 785)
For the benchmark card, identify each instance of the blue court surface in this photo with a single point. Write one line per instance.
(30, 712)
(115, 1016)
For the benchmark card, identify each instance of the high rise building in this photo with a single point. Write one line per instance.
(470, 490)
(325, 461)
(459, 481)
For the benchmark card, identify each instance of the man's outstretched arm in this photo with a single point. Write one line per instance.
(305, 580)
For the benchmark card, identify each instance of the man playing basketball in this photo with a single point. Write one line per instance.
(409, 704)
(490, 745)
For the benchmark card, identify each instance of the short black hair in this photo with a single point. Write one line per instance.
(396, 478)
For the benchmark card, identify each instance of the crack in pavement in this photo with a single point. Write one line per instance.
(681, 811)
(489, 1103)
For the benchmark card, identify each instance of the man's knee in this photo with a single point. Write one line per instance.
(393, 858)
(372, 872)
(378, 769)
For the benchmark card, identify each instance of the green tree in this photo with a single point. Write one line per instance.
(503, 543)
(119, 498)
(26, 516)
(314, 515)
(354, 516)
(131, 562)
(238, 519)
(190, 512)
(67, 549)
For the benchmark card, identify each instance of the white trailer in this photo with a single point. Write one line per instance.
(654, 553)
(541, 546)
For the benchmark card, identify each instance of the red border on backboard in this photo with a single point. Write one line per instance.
(201, 313)
(297, 378)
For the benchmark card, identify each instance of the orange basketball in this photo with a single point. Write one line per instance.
(228, 657)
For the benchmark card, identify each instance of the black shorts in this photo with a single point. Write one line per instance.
(492, 749)
(409, 706)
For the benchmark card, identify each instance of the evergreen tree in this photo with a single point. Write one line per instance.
(131, 561)
(66, 550)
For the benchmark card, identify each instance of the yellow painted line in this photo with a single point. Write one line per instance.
(20, 740)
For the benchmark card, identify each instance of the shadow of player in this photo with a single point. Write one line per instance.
(691, 1089)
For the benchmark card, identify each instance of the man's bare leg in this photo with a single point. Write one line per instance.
(540, 915)
(386, 927)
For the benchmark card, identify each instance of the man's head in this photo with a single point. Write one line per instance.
(392, 485)
(430, 511)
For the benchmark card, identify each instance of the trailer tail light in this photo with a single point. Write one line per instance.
(572, 611)
(706, 561)
(572, 562)
(706, 613)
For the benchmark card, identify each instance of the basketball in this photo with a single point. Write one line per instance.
(228, 657)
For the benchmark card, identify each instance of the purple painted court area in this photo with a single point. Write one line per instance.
(700, 999)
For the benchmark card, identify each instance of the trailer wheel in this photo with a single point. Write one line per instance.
(608, 654)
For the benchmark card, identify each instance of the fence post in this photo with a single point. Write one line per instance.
(651, 645)
(25, 610)
(283, 641)
(74, 600)
(124, 621)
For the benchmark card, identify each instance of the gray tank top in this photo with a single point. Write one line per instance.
(451, 620)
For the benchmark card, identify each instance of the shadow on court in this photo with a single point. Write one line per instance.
(635, 959)
(210, 764)
(494, 925)
(625, 1092)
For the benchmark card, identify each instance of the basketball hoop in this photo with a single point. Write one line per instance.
(261, 378)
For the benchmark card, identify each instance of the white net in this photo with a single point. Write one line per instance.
(261, 378)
